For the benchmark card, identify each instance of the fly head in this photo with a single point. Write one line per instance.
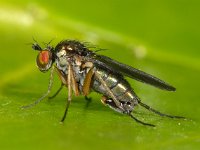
(45, 57)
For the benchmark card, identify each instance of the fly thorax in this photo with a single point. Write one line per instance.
(61, 60)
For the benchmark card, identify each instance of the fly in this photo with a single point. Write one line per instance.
(82, 70)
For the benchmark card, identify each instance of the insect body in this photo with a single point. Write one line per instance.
(82, 70)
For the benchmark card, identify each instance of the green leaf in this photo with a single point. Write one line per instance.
(159, 37)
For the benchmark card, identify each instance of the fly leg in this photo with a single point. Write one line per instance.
(157, 112)
(87, 82)
(57, 92)
(69, 92)
(139, 121)
(72, 85)
(63, 79)
(87, 85)
(45, 95)
(108, 101)
(88, 101)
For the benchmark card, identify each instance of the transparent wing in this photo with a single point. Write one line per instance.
(132, 72)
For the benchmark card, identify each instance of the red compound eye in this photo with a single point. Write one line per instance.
(44, 60)
(44, 57)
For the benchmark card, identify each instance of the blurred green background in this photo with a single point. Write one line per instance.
(159, 37)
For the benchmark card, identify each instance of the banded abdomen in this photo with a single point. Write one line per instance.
(118, 86)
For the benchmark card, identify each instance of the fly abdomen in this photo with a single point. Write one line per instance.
(110, 80)
(118, 86)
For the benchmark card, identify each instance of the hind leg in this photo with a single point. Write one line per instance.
(109, 102)
(157, 112)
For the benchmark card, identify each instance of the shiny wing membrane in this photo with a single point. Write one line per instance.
(133, 72)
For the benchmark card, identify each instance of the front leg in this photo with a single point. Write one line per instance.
(46, 94)
(57, 92)
(63, 79)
